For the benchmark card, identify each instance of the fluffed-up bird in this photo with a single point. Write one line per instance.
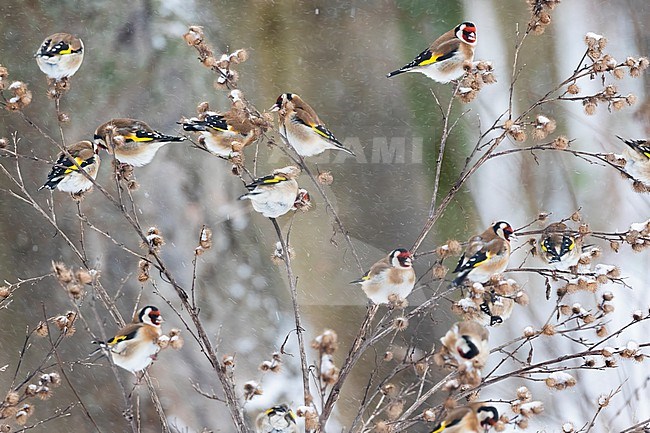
(132, 141)
(215, 132)
(65, 174)
(638, 159)
(135, 346)
(392, 275)
(486, 254)
(301, 127)
(467, 342)
(443, 60)
(275, 194)
(559, 248)
(60, 55)
(278, 419)
(474, 418)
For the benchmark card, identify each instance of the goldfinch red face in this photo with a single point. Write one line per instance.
(401, 258)
(503, 230)
(151, 316)
(282, 101)
(466, 32)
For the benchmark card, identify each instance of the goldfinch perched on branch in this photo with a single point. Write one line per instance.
(278, 419)
(474, 418)
(215, 132)
(301, 127)
(135, 346)
(65, 175)
(486, 254)
(443, 60)
(392, 275)
(558, 248)
(132, 141)
(275, 194)
(60, 55)
(467, 342)
(638, 159)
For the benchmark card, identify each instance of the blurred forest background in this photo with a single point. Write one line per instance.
(335, 54)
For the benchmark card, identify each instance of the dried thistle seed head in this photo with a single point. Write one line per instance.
(202, 107)
(327, 342)
(12, 398)
(400, 323)
(395, 409)
(382, 427)
(205, 239)
(390, 390)
(176, 340)
(388, 356)
(548, 330)
(4, 292)
(397, 302)
(62, 273)
(154, 239)
(75, 290)
(194, 36)
(228, 360)
(590, 107)
(529, 332)
(251, 389)
(439, 271)
(325, 178)
(143, 271)
(601, 331)
(573, 89)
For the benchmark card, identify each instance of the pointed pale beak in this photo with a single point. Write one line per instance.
(274, 108)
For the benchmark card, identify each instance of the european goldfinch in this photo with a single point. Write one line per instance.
(132, 141)
(65, 175)
(467, 342)
(301, 127)
(278, 419)
(443, 60)
(135, 346)
(474, 418)
(215, 132)
(638, 159)
(60, 55)
(486, 254)
(392, 275)
(275, 194)
(558, 248)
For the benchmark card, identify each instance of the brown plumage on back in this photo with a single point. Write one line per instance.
(132, 141)
(301, 127)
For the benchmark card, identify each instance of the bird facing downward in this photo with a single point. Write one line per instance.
(392, 275)
(443, 60)
(278, 419)
(467, 342)
(65, 175)
(60, 55)
(638, 159)
(474, 418)
(486, 254)
(132, 141)
(301, 127)
(558, 248)
(275, 194)
(135, 346)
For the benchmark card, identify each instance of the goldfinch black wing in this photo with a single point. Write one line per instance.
(364, 277)
(640, 146)
(63, 167)
(271, 179)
